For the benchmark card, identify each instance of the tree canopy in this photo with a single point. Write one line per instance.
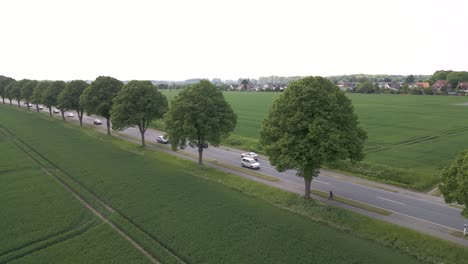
(26, 90)
(4, 81)
(50, 94)
(454, 185)
(311, 123)
(199, 115)
(69, 98)
(36, 97)
(97, 98)
(10, 90)
(138, 104)
(14, 91)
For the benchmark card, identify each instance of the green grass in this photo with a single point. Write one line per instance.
(410, 138)
(39, 217)
(187, 210)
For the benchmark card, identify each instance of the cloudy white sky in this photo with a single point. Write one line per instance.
(182, 39)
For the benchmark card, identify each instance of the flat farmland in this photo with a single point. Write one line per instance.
(198, 220)
(43, 223)
(410, 138)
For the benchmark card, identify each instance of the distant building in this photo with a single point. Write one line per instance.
(441, 86)
(422, 84)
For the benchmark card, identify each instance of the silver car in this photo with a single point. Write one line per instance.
(250, 163)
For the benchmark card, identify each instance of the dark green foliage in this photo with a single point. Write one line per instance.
(50, 94)
(199, 115)
(365, 87)
(69, 98)
(439, 75)
(455, 77)
(4, 82)
(36, 97)
(311, 123)
(14, 91)
(27, 90)
(137, 104)
(97, 98)
(410, 79)
(454, 185)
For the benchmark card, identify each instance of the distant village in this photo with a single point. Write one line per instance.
(440, 83)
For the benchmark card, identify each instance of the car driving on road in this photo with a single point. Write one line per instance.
(97, 122)
(252, 155)
(55, 111)
(250, 163)
(162, 140)
(70, 115)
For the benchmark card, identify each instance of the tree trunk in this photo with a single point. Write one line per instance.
(10, 102)
(80, 116)
(200, 154)
(27, 103)
(3, 99)
(307, 187)
(63, 115)
(50, 110)
(108, 126)
(37, 108)
(19, 103)
(142, 138)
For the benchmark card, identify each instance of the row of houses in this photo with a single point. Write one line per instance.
(440, 86)
(278, 87)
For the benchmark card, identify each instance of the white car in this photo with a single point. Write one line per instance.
(162, 140)
(70, 114)
(97, 122)
(41, 107)
(55, 111)
(252, 155)
(250, 163)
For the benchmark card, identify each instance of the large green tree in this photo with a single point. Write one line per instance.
(10, 90)
(27, 89)
(36, 97)
(97, 98)
(137, 104)
(69, 98)
(199, 115)
(454, 185)
(438, 75)
(4, 81)
(311, 123)
(365, 87)
(50, 94)
(455, 77)
(15, 91)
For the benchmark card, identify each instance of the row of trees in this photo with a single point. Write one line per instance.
(313, 122)
(199, 114)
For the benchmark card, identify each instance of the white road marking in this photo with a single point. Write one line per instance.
(390, 200)
(321, 182)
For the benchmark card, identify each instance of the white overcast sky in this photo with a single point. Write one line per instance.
(182, 39)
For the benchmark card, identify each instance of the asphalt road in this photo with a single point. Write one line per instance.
(412, 209)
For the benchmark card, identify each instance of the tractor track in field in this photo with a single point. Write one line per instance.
(45, 242)
(416, 140)
(55, 170)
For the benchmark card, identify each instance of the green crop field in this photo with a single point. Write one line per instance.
(410, 138)
(197, 220)
(43, 223)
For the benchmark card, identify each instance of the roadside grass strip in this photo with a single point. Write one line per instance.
(217, 217)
